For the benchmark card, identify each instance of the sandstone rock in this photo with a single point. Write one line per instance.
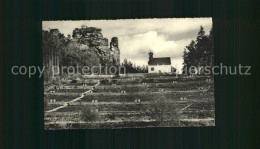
(99, 35)
(90, 41)
(114, 42)
(94, 43)
(83, 47)
(54, 31)
(115, 51)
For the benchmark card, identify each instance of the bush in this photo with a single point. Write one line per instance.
(104, 81)
(89, 115)
(114, 81)
(112, 116)
(164, 110)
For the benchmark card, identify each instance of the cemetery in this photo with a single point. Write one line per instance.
(122, 102)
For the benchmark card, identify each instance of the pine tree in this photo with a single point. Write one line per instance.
(52, 43)
(199, 53)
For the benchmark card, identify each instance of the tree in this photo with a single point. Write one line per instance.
(190, 56)
(201, 33)
(210, 49)
(132, 68)
(199, 53)
(52, 44)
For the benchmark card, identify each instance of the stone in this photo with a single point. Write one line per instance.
(99, 35)
(91, 43)
(94, 44)
(55, 32)
(116, 51)
(83, 47)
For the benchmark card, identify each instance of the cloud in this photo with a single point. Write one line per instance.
(165, 37)
(138, 46)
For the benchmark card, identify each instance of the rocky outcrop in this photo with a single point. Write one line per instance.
(90, 41)
(115, 52)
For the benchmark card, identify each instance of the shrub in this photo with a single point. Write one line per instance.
(112, 116)
(164, 110)
(90, 116)
(104, 81)
(114, 81)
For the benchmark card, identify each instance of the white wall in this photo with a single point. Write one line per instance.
(162, 68)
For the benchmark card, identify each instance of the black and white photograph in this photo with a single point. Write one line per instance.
(128, 73)
(124, 74)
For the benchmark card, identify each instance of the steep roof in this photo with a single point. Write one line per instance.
(160, 61)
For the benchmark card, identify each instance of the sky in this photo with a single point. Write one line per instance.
(136, 37)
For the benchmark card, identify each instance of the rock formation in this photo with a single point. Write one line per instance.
(93, 47)
(115, 52)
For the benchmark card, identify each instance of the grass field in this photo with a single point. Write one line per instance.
(157, 101)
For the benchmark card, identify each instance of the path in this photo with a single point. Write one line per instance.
(76, 99)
